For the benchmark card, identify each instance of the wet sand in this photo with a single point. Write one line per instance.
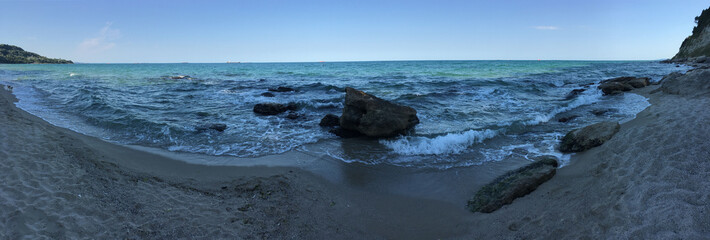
(648, 181)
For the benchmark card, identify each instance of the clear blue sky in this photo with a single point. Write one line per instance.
(331, 30)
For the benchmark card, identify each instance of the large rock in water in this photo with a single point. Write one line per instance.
(579, 140)
(514, 184)
(622, 84)
(375, 117)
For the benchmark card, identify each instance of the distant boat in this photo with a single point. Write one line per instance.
(233, 62)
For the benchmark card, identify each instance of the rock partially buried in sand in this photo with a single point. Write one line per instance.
(622, 84)
(330, 120)
(375, 117)
(514, 184)
(694, 83)
(579, 140)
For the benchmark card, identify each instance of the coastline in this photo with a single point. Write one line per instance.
(62, 184)
(65, 184)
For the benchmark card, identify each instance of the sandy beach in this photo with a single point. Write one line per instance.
(647, 182)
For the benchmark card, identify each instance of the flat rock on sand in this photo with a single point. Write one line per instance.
(693, 83)
(588, 137)
(514, 184)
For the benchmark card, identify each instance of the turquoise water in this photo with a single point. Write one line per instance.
(471, 112)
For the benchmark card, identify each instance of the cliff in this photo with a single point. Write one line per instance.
(697, 44)
(15, 54)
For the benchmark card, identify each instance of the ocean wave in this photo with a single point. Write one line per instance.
(451, 143)
(592, 95)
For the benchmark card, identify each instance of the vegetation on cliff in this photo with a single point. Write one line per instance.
(15, 54)
(697, 44)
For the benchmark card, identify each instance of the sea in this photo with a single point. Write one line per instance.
(471, 112)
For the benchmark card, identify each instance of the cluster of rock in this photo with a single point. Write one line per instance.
(696, 62)
(363, 115)
(623, 84)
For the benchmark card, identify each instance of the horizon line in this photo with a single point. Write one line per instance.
(353, 61)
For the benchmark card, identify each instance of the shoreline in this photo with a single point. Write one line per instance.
(98, 189)
(65, 184)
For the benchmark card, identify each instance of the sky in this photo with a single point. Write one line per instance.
(304, 31)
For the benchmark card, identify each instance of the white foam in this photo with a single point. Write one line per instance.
(590, 96)
(451, 143)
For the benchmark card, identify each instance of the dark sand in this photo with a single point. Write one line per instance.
(648, 181)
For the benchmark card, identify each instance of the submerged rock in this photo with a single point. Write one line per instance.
(282, 89)
(267, 94)
(293, 115)
(375, 117)
(581, 139)
(269, 108)
(220, 127)
(330, 120)
(514, 184)
(345, 133)
(567, 119)
(602, 111)
(274, 108)
(180, 77)
(574, 93)
(622, 84)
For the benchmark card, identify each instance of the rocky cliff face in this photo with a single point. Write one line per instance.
(697, 44)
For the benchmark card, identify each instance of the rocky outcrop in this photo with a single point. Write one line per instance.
(273, 108)
(693, 83)
(622, 84)
(514, 184)
(579, 140)
(698, 43)
(330, 120)
(375, 117)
